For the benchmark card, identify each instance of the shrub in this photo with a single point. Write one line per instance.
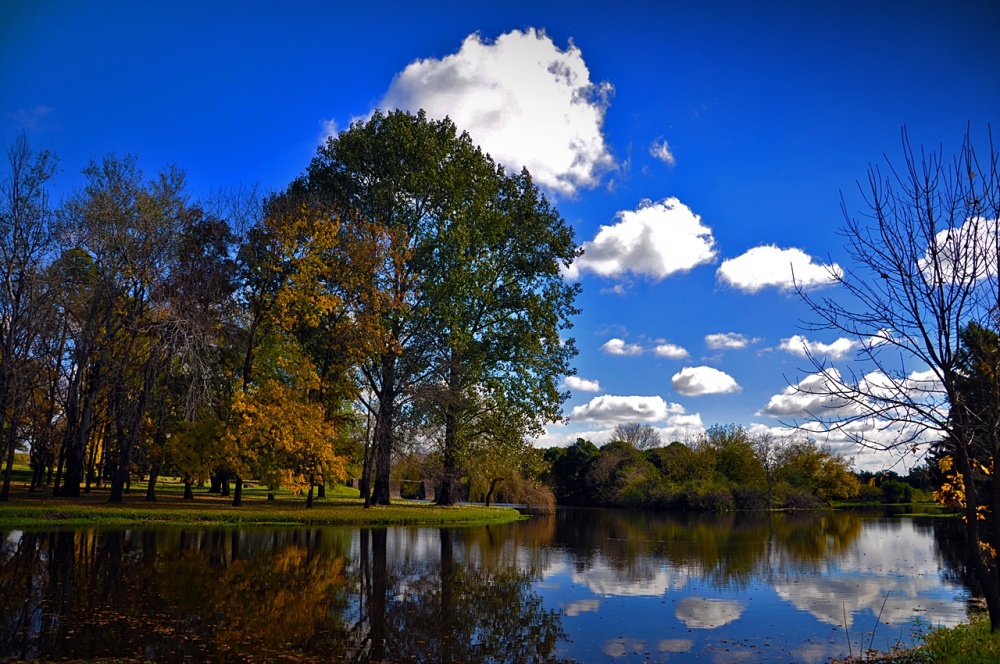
(870, 494)
(750, 498)
(800, 500)
(894, 491)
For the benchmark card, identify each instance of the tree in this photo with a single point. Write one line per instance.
(25, 246)
(498, 304)
(384, 179)
(121, 232)
(465, 280)
(640, 436)
(924, 268)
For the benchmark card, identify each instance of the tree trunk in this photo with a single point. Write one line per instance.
(11, 427)
(9, 465)
(238, 493)
(988, 581)
(309, 497)
(383, 431)
(489, 494)
(188, 493)
(449, 476)
(154, 472)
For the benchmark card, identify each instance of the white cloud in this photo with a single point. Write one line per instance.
(328, 130)
(523, 99)
(865, 420)
(816, 395)
(708, 613)
(655, 240)
(696, 381)
(728, 341)
(681, 426)
(661, 150)
(614, 409)
(607, 412)
(964, 254)
(768, 265)
(574, 609)
(799, 345)
(582, 384)
(619, 347)
(671, 351)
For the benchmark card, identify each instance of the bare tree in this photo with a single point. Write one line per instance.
(638, 435)
(25, 243)
(924, 269)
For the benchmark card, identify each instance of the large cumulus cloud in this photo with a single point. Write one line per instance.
(653, 241)
(527, 102)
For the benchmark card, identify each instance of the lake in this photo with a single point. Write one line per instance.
(579, 585)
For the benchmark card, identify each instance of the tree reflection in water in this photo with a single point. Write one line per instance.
(175, 595)
(428, 595)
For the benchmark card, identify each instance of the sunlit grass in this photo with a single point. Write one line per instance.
(342, 506)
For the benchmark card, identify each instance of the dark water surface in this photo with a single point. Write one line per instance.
(582, 585)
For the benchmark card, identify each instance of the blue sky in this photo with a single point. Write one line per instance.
(697, 148)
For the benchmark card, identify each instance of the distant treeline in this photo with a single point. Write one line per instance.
(725, 469)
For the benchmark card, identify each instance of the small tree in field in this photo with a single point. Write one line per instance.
(923, 273)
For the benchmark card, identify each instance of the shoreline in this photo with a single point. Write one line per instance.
(42, 510)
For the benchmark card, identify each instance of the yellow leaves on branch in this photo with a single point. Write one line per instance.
(952, 493)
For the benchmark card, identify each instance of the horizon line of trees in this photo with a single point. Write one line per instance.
(727, 468)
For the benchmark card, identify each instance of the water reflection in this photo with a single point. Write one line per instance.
(584, 585)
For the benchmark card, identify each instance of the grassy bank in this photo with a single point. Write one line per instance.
(341, 507)
(968, 643)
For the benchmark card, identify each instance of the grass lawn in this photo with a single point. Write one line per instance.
(342, 506)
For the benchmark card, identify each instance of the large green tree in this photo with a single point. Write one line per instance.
(465, 282)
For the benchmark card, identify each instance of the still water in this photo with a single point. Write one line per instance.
(577, 586)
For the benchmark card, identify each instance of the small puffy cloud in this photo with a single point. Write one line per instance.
(816, 395)
(328, 130)
(681, 426)
(963, 254)
(524, 100)
(728, 341)
(827, 396)
(708, 613)
(661, 150)
(619, 347)
(615, 409)
(655, 241)
(768, 266)
(838, 350)
(581, 384)
(670, 351)
(696, 381)
(574, 609)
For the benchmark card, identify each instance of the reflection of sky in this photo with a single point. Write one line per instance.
(887, 558)
(602, 579)
(789, 609)
(704, 613)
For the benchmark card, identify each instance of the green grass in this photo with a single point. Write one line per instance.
(342, 506)
(968, 643)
